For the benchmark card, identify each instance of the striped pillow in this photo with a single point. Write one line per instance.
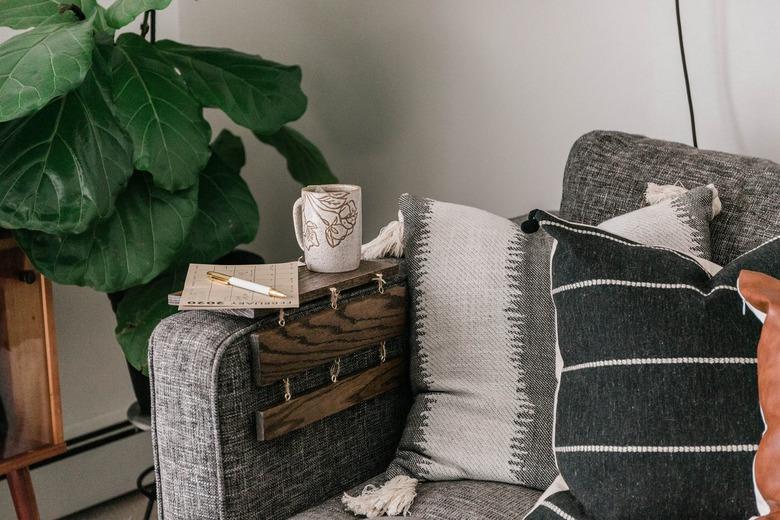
(483, 342)
(657, 410)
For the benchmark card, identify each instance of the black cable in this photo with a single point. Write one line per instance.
(685, 73)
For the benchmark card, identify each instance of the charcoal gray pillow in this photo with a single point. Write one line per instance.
(606, 173)
(657, 406)
(483, 337)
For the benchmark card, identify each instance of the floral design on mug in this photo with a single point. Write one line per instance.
(310, 235)
(337, 212)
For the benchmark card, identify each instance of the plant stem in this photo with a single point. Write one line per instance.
(149, 25)
(74, 9)
(145, 24)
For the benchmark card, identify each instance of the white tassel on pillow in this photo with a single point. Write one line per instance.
(717, 206)
(394, 498)
(389, 242)
(657, 193)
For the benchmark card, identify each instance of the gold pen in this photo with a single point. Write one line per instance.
(226, 279)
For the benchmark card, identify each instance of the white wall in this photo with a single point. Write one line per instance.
(475, 102)
(478, 102)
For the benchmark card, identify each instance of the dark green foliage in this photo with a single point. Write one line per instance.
(107, 176)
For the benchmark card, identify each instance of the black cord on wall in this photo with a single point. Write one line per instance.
(685, 73)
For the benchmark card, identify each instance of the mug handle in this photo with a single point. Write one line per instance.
(298, 222)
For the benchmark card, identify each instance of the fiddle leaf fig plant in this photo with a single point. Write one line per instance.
(122, 12)
(109, 175)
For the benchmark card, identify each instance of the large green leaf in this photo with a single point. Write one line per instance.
(41, 64)
(132, 246)
(255, 93)
(227, 216)
(304, 161)
(141, 309)
(64, 166)
(227, 212)
(122, 12)
(170, 136)
(104, 45)
(229, 150)
(100, 24)
(23, 14)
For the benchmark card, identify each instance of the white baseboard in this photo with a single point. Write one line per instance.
(86, 479)
(95, 423)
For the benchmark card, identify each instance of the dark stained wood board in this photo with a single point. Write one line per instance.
(328, 334)
(331, 399)
(312, 286)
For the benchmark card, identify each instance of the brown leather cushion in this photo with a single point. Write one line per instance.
(763, 293)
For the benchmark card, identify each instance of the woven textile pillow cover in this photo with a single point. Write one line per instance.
(657, 411)
(762, 294)
(483, 340)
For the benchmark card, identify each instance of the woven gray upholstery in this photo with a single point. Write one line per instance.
(607, 174)
(450, 500)
(209, 462)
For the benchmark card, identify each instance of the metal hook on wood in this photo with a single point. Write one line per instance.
(287, 391)
(382, 352)
(281, 321)
(334, 297)
(380, 282)
(335, 368)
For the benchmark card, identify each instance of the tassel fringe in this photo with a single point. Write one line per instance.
(717, 206)
(389, 242)
(394, 498)
(657, 193)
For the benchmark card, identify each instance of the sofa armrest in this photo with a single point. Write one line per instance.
(209, 461)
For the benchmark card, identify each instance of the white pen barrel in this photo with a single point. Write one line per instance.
(249, 286)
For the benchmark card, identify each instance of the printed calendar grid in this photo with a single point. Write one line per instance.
(201, 293)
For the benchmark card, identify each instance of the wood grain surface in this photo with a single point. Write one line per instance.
(312, 286)
(321, 337)
(331, 399)
(31, 457)
(29, 382)
(23, 494)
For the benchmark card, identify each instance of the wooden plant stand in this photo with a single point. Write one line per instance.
(29, 380)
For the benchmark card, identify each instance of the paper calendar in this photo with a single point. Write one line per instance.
(201, 293)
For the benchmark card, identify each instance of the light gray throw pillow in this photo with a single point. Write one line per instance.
(483, 336)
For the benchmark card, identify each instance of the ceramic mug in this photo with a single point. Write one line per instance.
(328, 223)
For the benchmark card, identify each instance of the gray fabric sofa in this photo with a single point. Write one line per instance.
(209, 463)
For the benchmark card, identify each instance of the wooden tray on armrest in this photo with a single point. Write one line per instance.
(363, 317)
